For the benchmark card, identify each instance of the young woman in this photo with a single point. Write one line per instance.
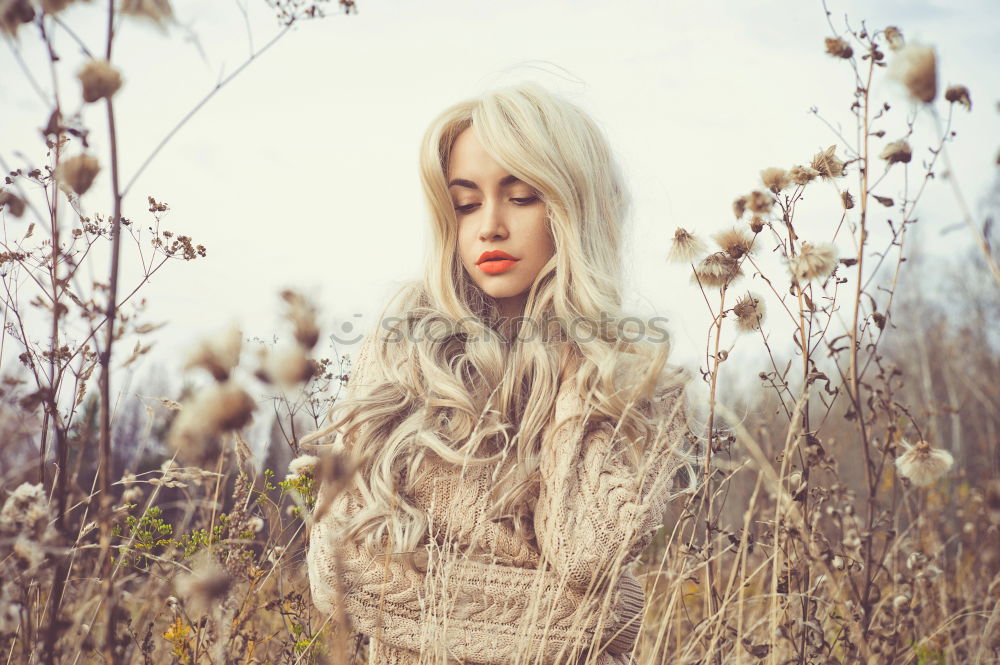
(513, 434)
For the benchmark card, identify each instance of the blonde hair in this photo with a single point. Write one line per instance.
(437, 357)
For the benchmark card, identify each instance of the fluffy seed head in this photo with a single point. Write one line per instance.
(827, 164)
(25, 511)
(921, 464)
(717, 270)
(802, 175)
(813, 262)
(303, 464)
(960, 94)
(302, 314)
(287, 366)
(99, 80)
(897, 151)
(915, 66)
(13, 13)
(759, 203)
(221, 407)
(207, 582)
(685, 247)
(894, 37)
(756, 224)
(775, 178)
(734, 241)
(13, 203)
(78, 172)
(740, 206)
(838, 48)
(158, 12)
(749, 311)
(218, 356)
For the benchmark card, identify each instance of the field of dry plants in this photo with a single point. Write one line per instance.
(853, 517)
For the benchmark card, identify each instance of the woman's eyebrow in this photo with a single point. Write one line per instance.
(462, 182)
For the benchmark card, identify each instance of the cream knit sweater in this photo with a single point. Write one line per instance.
(497, 599)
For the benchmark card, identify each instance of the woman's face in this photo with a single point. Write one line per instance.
(497, 212)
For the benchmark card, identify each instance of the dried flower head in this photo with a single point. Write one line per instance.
(749, 311)
(13, 203)
(802, 175)
(921, 464)
(813, 262)
(206, 583)
(78, 172)
(838, 48)
(915, 66)
(303, 464)
(13, 13)
(685, 246)
(894, 37)
(756, 224)
(99, 80)
(960, 94)
(740, 206)
(287, 366)
(775, 178)
(827, 164)
(734, 241)
(158, 12)
(53, 6)
(897, 151)
(221, 407)
(759, 202)
(302, 314)
(26, 511)
(717, 270)
(256, 523)
(218, 356)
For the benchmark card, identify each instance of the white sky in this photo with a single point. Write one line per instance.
(302, 173)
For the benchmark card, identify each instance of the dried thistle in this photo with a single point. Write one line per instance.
(802, 175)
(838, 48)
(775, 178)
(221, 407)
(827, 164)
(685, 246)
(759, 203)
(26, 511)
(734, 241)
(99, 80)
(915, 66)
(78, 172)
(13, 202)
(897, 151)
(286, 367)
(717, 270)
(53, 6)
(302, 314)
(303, 464)
(960, 94)
(813, 262)
(921, 464)
(756, 224)
(13, 13)
(894, 37)
(218, 356)
(740, 206)
(749, 311)
(158, 12)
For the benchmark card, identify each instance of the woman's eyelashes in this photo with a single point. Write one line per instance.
(469, 207)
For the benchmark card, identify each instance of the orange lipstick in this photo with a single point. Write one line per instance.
(496, 261)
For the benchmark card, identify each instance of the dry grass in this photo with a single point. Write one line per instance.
(829, 527)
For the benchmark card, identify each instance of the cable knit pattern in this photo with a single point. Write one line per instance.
(485, 595)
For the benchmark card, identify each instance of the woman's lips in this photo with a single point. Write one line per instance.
(497, 266)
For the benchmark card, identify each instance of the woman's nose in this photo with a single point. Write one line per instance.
(494, 222)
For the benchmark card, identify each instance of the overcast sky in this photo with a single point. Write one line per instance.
(302, 172)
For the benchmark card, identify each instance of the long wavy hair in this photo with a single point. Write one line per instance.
(454, 382)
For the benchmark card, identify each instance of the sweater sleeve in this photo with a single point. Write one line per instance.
(476, 610)
(596, 513)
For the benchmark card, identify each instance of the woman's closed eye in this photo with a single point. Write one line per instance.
(519, 201)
